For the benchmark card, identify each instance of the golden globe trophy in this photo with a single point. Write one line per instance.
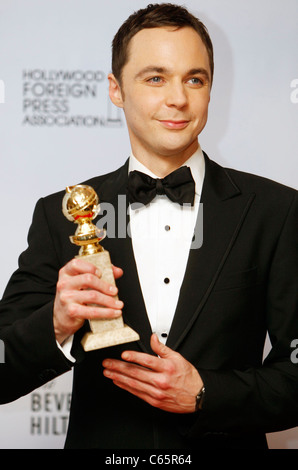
(81, 205)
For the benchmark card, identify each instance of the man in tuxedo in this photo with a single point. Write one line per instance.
(196, 378)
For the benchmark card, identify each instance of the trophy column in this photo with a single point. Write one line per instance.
(80, 205)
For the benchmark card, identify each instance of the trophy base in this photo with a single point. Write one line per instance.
(105, 333)
(104, 339)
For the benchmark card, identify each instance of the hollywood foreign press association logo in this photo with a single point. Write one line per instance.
(67, 98)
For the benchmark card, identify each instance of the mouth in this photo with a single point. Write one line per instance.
(172, 124)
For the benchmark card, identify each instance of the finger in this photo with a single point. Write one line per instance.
(124, 369)
(141, 389)
(160, 400)
(90, 277)
(145, 360)
(133, 377)
(117, 272)
(144, 396)
(159, 348)
(86, 281)
(79, 266)
(78, 311)
(90, 297)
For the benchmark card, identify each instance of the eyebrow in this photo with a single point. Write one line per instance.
(157, 69)
(151, 69)
(199, 71)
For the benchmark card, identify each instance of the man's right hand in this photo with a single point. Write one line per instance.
(81, 294)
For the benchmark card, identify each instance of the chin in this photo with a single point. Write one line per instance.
(174, 150)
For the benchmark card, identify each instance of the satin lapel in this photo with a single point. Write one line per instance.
(224, 210)
(113, 198)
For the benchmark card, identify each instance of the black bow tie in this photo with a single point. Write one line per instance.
(179, 186)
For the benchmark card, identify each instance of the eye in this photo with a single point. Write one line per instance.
(195, 81)
(156, 80)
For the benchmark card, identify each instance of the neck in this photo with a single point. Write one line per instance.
(162, 165)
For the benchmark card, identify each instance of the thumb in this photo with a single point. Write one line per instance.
(159, 348)
(117, 272)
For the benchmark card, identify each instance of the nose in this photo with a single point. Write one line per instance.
(176, 95)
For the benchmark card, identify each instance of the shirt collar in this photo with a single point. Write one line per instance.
(196, 163)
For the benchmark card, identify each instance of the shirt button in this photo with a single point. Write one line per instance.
(164, 335)
(166, 280)
(167, 228)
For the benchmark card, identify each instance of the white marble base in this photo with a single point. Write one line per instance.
(105, 333)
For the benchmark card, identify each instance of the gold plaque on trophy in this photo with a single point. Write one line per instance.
(81, 205)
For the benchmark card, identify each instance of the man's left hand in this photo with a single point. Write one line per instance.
(168, 382)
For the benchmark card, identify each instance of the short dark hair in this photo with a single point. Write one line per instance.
(155, 16)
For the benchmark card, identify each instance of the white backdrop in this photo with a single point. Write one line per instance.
(58, 128)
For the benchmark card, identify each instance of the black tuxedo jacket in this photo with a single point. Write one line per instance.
(240, 284)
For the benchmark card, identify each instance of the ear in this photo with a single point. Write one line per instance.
(115, 91)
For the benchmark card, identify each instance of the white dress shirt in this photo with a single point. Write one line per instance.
(161, 235)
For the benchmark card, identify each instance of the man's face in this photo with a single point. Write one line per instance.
(165, 92)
